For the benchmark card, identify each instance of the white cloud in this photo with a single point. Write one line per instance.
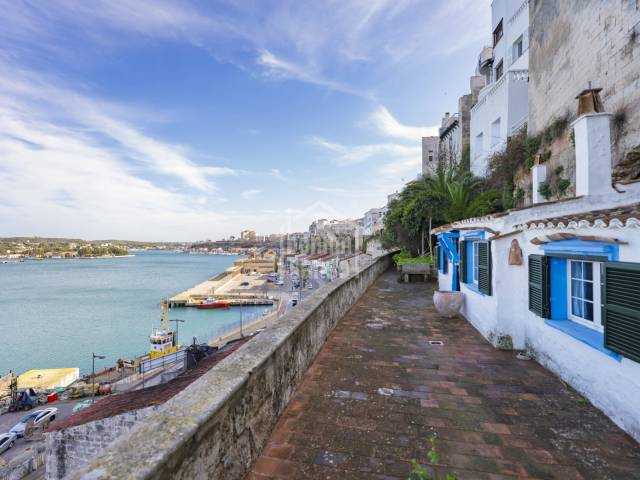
(281, 69)
(310, 42)
(351, 154)
(389, 126)
(37, 98)
(250, 194)
(70, 166)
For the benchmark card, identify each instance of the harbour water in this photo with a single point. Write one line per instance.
(54, 313)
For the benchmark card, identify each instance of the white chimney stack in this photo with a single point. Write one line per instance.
(538, 176)
(593, 154)
(592, 134)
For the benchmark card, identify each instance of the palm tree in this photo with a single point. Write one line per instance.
(447, 196)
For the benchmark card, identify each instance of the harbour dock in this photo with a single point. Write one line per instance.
(232, 286)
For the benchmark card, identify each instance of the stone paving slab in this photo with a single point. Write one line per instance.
(379, 391)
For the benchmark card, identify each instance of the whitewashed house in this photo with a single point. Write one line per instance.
(373, 221)
(561, 279)
(501, 109)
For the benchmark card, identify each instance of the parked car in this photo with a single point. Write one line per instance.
(310, 286)
(39, 418)
(294, 302)
(269, 280)
(244, 284)
(7, 440)
(279, 282)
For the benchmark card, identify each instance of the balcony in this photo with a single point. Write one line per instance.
(506, 99)
(485, 60)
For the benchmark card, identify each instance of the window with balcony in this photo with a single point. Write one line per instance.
(497, 33)
(499, 70)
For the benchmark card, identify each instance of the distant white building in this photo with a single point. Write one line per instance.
(317, 227)
(502, 106)
(342, 227)
(373, 221)
(247, 235)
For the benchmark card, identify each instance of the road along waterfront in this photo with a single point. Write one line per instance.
(53, 314)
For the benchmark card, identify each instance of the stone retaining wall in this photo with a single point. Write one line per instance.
(70, 448)
(217, 427)
(25, 463)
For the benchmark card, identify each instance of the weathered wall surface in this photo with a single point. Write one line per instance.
(574, 42)
(25, 463)
(69, 449)
(219, 424)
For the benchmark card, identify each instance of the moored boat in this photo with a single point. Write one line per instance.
(163, 341)
(211, 303)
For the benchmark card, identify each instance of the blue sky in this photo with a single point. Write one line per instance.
(162, 120)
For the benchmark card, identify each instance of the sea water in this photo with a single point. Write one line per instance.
(55, 313)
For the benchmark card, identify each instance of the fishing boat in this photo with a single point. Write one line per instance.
(163, 341)
(212, 303)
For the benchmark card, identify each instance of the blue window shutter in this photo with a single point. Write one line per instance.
(620, 290)
(539, 285)
(438, 257)
(558, 288)
(463, 261)
(484, 267)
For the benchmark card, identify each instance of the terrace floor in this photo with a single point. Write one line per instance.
(378, 391)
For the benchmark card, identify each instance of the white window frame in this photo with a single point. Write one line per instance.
(517, 45)
(596, 324)
(474, 263)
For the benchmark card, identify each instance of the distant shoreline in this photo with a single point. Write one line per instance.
(34, 259)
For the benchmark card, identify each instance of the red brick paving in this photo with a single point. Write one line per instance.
(378, 390)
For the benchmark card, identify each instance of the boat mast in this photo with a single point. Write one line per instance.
(164, 316)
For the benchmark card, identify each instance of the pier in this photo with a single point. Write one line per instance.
(232, 286)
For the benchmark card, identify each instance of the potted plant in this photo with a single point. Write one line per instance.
(448, 303)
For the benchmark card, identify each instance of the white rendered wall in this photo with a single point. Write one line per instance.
(610, 385)
(593, 154)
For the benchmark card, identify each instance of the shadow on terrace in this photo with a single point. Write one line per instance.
(379, 394)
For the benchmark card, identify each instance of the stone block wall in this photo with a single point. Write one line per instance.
(69, 449)
(574, 42)
(217, 427)
(24, 464)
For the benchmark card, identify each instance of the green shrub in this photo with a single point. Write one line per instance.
(518, 196)
(531, 148)
(544, 189)
(562, 186)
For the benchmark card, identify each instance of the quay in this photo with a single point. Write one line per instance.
(242, 284)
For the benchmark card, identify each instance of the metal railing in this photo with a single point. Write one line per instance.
(166, 360)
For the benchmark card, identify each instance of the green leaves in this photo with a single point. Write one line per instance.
(447, 196)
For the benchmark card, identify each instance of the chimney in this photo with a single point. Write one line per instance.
(538, 176)
(593, 145)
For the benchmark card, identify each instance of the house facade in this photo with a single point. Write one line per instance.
(561, 279)
(502, 106)
(373, 221)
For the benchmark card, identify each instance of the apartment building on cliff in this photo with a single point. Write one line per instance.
(502, 105)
